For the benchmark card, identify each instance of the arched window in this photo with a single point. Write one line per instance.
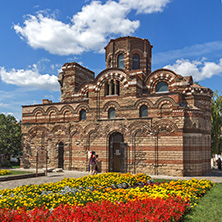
(136, 61)
(52, 116)
(120, 62)
(82, 115)
(67, 115)
(111, 88)
(143, 111)
(111, 113)
(162, 87)
(38, 117)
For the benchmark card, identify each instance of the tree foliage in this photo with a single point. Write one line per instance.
(10, 136)
(216, 123)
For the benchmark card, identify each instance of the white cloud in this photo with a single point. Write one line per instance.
(89, 29)
(3, 105)
(6, 114)
(191, 51)
(146, 6)
(29, 78)
(16, 115)
(198, 69)
(49, 34)
(49, 96)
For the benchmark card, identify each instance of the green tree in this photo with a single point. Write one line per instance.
(216, 123)
(10, 137)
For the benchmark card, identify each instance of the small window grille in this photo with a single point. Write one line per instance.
(143, 111)
(111, 113)
(82, 115)
(162, 87)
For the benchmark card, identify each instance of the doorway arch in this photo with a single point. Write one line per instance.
(117, 153)
(61, 155)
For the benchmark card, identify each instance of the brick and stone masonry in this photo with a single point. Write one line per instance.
(136, 120)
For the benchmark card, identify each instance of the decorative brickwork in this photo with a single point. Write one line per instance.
(161, 122)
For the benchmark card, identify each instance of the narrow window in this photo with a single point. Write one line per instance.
(143, 111)
(162, 87)
(117, 88)
(112, 85)
(120, 62)
(136, 61)
(111, 113)
(82, 115)
(106, 89)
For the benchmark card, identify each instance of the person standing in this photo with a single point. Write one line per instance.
(92, 162)
(89, 156)
(97, 164)
(219, 164)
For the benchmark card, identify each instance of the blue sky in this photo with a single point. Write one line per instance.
(38, 36)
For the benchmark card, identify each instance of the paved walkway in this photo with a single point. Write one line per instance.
(51, 177)
(215, 176)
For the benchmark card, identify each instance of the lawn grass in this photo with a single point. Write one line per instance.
(16, 167)
(208, 208)
(16, 172)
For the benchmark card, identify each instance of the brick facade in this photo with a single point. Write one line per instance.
(136, 120)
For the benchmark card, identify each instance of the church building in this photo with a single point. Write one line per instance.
(136, 120)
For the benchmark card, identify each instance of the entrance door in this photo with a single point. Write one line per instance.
(61, 155)
(116, 157)
(116, 153)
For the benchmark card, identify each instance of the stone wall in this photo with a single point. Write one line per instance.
(129, 46)
(173, 139)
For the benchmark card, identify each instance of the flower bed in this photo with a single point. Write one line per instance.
(120, 192)
(146, 210)
(4, 172)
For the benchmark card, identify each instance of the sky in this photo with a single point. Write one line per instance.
(38, 36)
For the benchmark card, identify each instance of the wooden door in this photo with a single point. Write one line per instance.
(116, 157)
(115, 154)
